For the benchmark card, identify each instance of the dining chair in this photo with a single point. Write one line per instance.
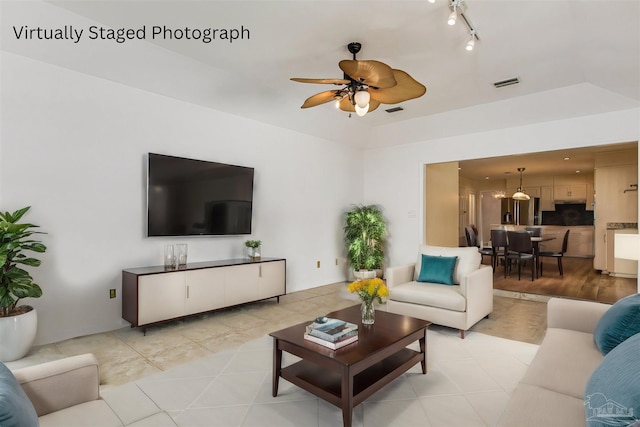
(499, 247)
(558, 255)
(471, 234)
(520, 248)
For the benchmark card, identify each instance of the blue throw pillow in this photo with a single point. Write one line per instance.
(16, 410)
(437, 269)
(612, 396)
(620, 322)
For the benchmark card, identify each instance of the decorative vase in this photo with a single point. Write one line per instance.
(368, 313)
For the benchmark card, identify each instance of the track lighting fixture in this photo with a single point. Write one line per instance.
(459, 8)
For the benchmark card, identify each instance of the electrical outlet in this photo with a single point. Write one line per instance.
(112, 293)
(318, 264)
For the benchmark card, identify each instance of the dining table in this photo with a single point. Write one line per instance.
(535, 243)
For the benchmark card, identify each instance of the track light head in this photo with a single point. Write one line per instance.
(472, 41)
(453, 17)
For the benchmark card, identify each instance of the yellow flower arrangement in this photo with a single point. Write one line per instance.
(370, 290)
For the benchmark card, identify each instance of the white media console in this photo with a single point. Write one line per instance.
(153, 295)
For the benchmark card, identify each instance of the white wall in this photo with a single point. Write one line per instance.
(73, 147)
(399, 187)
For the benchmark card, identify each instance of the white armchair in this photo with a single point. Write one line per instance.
(460, 305)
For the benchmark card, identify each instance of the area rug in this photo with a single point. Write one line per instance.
(468, 383)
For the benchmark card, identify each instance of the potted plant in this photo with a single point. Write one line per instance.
(364, 234)
(18, 324)
(253, 249)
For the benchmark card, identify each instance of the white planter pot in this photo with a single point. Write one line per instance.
(17, 334)
(364, 274)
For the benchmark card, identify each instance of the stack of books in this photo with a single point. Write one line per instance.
(331, 333)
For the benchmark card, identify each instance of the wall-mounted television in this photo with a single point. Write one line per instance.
(188, 197)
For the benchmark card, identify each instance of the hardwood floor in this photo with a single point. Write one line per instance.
(580, 281)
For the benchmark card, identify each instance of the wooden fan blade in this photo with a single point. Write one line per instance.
(322, 81)
(372, 73)
(346, 105)
(407, 88)
(321, 98)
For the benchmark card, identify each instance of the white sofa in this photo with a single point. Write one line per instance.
(551, 393)
(459, 306)
(66, 393)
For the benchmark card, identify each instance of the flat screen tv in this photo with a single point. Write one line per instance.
(187, 197)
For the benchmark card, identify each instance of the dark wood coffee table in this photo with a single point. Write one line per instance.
(348, 376)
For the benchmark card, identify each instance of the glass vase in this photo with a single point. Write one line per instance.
(253, 253)
(368, 313)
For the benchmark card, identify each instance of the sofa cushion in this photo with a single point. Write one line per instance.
(468, 259)
(429, 294)
(533, 406)
(612, 396)
(15, 407)
(437, 269)
(620, 322)
(564, 362)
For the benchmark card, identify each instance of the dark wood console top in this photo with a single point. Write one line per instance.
(141, 271)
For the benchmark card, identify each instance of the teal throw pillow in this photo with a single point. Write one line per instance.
(612, 396)
(16, 410)
(618, 323)
(437, 269)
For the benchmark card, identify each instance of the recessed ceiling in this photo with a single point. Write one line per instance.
(545, 163)
(548, 45)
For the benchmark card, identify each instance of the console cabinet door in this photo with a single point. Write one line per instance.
(205, 290)
(240, 284)
(160, 297)
(272, 279)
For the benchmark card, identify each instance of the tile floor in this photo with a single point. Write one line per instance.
(127, 354)
(468, 382)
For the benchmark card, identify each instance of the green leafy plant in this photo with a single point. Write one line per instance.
(16, 283)
(253, 243)
(364, 235)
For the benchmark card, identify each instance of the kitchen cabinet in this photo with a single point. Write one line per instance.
(533, 191)
(546, 198)
(570, 192)
(152, 294)
(612, 205)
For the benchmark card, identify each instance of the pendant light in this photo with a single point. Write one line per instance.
(520, 194)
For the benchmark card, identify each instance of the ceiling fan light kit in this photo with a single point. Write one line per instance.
(366, 85)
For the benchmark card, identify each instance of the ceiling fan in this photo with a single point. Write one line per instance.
(366, 85)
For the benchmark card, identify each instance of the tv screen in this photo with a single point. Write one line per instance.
(187, 197)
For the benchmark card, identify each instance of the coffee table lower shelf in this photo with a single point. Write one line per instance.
(328, 385)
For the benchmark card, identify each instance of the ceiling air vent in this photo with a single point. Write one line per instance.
(508, 82)
(394, 109)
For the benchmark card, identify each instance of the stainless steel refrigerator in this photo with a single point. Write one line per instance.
(521, 212)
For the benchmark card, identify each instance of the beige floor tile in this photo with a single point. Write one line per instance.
(128, 353)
